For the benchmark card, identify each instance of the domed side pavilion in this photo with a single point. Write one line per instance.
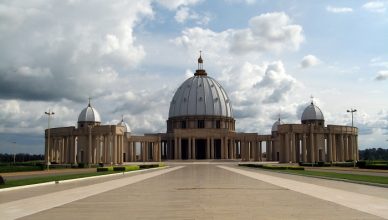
(200, 125)
(311, 141)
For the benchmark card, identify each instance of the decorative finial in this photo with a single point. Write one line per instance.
(122, 118)
(90, 98)
(279, 117)
(200, 71)
(312, 99)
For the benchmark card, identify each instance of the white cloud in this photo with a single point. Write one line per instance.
(248, 2)
(379, 62)
(270, 32)
(375, 6)
(175, 4)
(309, 61)
(338, 9)
(184, 14)
(82, 53)
(382, 75)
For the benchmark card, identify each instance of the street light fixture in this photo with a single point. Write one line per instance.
(49, 113)
(14, 152)
(352, 111)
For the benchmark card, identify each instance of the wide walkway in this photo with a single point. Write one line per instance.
(194, 191)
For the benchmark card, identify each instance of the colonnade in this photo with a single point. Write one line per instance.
(251, 150)
(314, 147)
(89, 149)
(213, 147)
(149, 151)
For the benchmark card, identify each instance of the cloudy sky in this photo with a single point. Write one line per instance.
(130, 56)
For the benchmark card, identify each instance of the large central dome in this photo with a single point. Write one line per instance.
(200, 95)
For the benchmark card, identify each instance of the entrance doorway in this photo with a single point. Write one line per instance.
(185, 149)
(217, 149)
(200, 145)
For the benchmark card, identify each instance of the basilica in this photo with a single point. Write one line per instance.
(200, 125)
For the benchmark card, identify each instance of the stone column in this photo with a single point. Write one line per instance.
(350, 147)
(260, 151)
(212, 148)
(254, 151)
(293, 148)
(333, 148)
(176, 148)
(242, 150)
(230, 149)
(356, 147)
(353, 152)
(287, 148)
(226, 144)
(342, 156)
(194, 148)
(234, 149)
(297, 151)
(134, 151)
(312, 148)
(179, 148)
(346, 151)
(73, 150)
(316, 147)
(208, 148)
(329, 148)
(222, 148)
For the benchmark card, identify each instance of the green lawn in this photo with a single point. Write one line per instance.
(44, 179)
(353, 177)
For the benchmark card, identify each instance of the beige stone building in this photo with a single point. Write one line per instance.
(200, 126)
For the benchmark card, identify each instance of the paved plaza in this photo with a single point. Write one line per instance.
(198, 191)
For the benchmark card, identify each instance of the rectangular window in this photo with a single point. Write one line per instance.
(201, 123)
(183, 124)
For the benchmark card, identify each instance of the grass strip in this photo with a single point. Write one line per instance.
(44, 179)
(345, 176)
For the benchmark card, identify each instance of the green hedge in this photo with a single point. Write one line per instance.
(148, 166)
(103, 169)
(119, 169)
(271, 167)
(9, 169)
(283, 167)
(377, 164)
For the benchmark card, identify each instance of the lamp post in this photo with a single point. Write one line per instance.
(352, 111)
(49, 113)
(14, 153)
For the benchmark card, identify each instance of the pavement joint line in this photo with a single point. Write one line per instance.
(365, 203)
(24, 207)
(76, 179)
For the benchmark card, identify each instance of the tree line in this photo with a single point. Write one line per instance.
(373, 154)
(22, 157)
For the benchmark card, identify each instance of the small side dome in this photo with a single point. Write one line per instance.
(312, 113)
(275, 125)
(89, 114)
(127, 129)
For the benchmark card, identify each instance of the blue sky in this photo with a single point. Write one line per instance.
(130, 56)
